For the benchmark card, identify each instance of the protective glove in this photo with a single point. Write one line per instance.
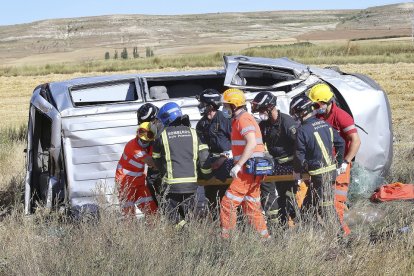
(235, 170)
(297, 177)
(343, 167)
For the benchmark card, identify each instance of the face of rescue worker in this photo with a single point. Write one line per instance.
(227, 111)
(322, 108)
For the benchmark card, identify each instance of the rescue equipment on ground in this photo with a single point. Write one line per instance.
(394, 191)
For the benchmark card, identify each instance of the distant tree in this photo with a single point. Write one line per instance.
(149, 52)
(135, 53)
(116, 54)
(107, 56)
(124, 53)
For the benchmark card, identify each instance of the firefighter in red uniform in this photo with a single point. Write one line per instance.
(340, 120)
(246, 143)
(130, 175)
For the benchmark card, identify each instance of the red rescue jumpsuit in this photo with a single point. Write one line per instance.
(130, 176)
(340, 120)
(244, 190)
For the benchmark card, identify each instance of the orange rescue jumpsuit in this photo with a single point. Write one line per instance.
(130, 176)
(244, 190)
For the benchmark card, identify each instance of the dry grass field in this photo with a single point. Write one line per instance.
(46, 244)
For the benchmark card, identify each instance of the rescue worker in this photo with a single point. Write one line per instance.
(177, 152)
(214, 130)
(340, 120)
(279, 135)
(130, 175)
(148, 113)
(246, 141)
(315, 140)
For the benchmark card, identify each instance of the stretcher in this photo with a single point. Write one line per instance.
(269, 178)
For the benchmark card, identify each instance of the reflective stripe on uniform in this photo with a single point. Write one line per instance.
(233, 197)
(332, 137)
(136, 164)
(156, 155)
(144, 200)
(195, 151)
(127, 204)
(264, 233)
(255, 154)
(323, 170)
(340, 192)
(124, 156)
(247, 129)
(131, 173)
(351, 127)
(252, 199)
(119, 167)
(322, 147)
(180, 224)
(285, 159)
(206, 171)
(139, 154)
(202, 147)
(167, 154)
(180, 180)
(259, 141)
(238, 142)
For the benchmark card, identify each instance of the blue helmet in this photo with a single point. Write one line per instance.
(168, 113)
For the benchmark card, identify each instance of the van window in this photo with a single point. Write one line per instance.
(104, 93)
(179, 87)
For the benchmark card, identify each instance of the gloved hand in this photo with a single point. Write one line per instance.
(297, 177)
(342, 168)
(235, 170)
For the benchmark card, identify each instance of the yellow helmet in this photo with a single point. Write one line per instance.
(234, 96)
(145, 133)
(320, 93)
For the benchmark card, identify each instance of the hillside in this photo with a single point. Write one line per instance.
(88, 38)
(382, 21)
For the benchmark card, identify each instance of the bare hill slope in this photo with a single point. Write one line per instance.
(375, 22)
(77, 39)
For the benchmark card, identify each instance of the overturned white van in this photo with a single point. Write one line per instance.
(78, 128)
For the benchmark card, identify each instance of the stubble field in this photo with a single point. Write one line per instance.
(45, 245)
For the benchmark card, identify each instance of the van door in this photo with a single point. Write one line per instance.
(254, 73)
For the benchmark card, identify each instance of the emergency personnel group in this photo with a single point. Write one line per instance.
(159, 169)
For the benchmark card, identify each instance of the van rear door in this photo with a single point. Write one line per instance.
(94, 134)
(253, 73)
